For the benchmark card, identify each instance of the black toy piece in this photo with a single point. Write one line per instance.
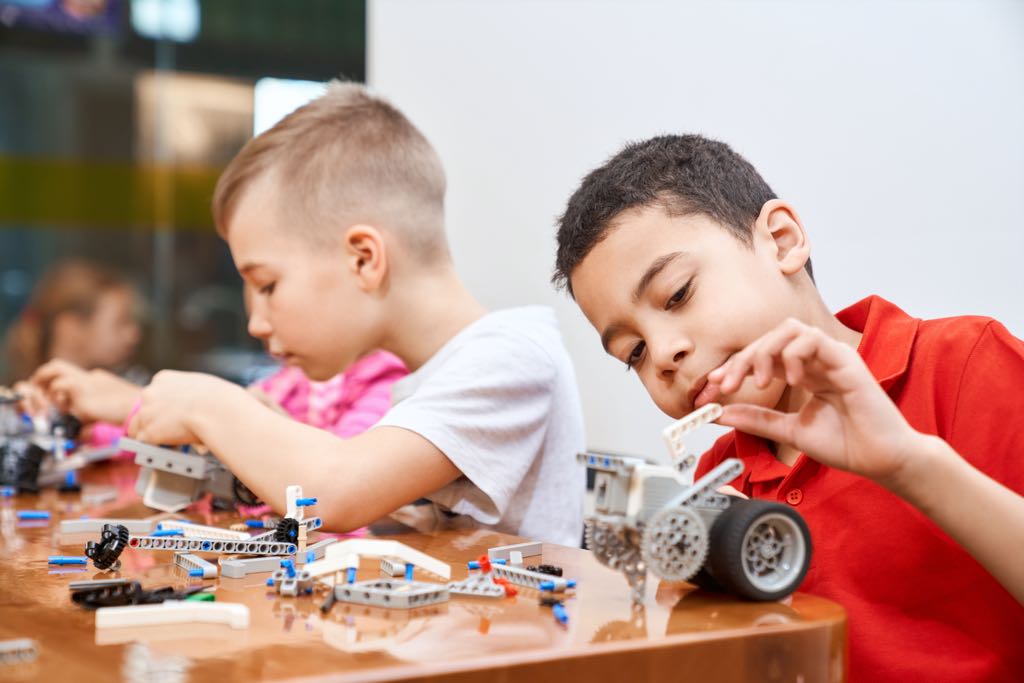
(19, 463)
(112, 543)
(70, 425)
(127, 594)
(287, 530)
(549, 569)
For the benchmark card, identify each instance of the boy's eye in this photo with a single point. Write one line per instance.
(635, 355)
(678, 296)
(268, 289)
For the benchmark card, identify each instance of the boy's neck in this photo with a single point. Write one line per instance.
(427, 310)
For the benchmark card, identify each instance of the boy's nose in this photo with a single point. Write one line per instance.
(667, 361)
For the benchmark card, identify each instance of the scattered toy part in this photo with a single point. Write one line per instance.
(18, 651)
(392, 594)
(193, 563)
(504, 552)
(232, 614)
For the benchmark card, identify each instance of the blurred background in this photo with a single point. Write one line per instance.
(896, 128)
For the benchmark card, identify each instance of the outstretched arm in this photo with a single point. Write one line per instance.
(850, 423)
(357, 480)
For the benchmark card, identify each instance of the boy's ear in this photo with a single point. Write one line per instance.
(366, 255)
(779, 222)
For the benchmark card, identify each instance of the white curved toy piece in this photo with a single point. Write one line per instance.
(232, 614)
(336, 558)
(673, 435)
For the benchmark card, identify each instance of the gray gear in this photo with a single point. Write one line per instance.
(675, 543)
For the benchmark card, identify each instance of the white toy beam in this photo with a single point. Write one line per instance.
(233, 614)
(335, 558)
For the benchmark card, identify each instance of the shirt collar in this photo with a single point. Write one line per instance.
(888, 337)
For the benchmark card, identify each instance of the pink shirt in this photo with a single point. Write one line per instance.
(345, 405)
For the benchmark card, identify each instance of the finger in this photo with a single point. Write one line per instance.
(47, 372)
(764, 422)
(758, 358)
(795, 356)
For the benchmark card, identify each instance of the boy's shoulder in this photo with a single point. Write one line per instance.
(524, 331)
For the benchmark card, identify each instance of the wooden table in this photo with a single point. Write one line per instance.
(682, 634)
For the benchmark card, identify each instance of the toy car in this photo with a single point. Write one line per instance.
(649, 517)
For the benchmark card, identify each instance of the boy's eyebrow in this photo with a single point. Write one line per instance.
(652, 272)
(248, 266)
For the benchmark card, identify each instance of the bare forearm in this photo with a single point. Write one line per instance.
(269, 451)
(979, 513)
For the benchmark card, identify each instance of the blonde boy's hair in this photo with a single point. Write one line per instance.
(345, 158)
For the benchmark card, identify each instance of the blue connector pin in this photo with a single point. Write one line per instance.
(33, 514)
(310, 556)
(289, 568)
(560, 614)
(351, 575)
(255, 523)
(196, 572)
(303, 502)
(62, 559)
(408, 571)
(168, 532)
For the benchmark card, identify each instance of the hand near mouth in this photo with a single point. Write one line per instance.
(848, 421)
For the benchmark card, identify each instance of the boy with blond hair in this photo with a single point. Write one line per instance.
(897, 439)
(335, 219)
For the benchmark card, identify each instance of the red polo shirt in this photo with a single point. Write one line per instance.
(920, 608)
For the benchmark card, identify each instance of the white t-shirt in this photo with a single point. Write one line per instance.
(500, 401)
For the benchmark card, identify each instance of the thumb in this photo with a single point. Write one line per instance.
(764, 422)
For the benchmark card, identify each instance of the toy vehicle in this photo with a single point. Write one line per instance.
(649, 517)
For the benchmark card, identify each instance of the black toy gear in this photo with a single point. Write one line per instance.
(287, 530)
(112, 543)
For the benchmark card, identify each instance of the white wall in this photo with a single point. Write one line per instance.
(897, 129)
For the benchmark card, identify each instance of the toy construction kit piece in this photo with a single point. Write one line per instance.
(337, 557)
(211, 545)
(62, 559)
(504, 552)
(549, 569)
(95, 526)
(477, 586)
(117, 592)
(105, 554)
(196, 566)
(311, 524)
(291, 581)
(391, 594)
(684, 461)
(237, 568)
(649, 517)
(535, 580)
(18, 651)
(171, 480)
(390, 566)
(232, 614)
(190, 530)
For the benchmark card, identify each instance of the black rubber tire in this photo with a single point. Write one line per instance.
(725, 556)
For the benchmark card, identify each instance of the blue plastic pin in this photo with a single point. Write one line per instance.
(408, 571)
(196, 572)
(550, 585)
(289, 567)
(351, 575)
(168, 532)
(560, 614)
(7, 491)
(70, 479)
(33, 514)
(270, 581)
(310, 556)
(254, 523)
(303, 502)
(62, 559)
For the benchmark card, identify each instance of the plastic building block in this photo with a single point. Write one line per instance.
(96, 583)
(211, 545)
(686, 463)
(33, 514)
(392, 594)
(293, 510)
(61, 559)
(234, 615)
(557, 585)
(503, 552)
(18, 651)
(202, 597)
(94, 594)
(524, 577)
(193, 563)
(311, 524)
(478, 585)
(98, 495)
(477, 564)
(289, 581)
(315, 551)
(545, 569)
(91, 526)
(163, 533)
(391, 566)
(238, 568)
(515, 558)
(560, 614)
(106, 552)
(190, 530)
(335, 559)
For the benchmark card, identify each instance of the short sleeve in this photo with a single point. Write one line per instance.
(486, 408)
(987, 420)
